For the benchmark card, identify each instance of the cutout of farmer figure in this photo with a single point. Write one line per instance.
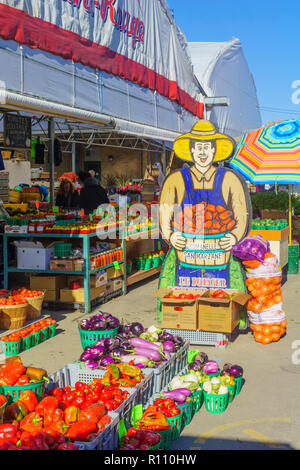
(204, 209)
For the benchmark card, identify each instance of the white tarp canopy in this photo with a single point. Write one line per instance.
(222, 70)
(122, 62)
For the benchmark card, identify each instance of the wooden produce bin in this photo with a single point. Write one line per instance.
(279, 242)
(221, 315)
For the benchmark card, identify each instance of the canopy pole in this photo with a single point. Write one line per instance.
(290, 214)
(51, 135)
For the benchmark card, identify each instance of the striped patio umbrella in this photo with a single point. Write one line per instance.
(270, 155)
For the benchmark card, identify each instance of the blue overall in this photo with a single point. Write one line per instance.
(195, 196)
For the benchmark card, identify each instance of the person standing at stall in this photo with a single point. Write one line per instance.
(92, 194)
(67, 196)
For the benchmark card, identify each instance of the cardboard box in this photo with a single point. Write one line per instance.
(49, 283)
(61, 265)
(33, 255)
(178, 313)
(113, 273)
(221, 315)
(109, 287)
(52, 295)
(117, 284)
(96, 280)
(77, 295)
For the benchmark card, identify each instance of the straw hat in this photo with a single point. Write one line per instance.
(204, 130)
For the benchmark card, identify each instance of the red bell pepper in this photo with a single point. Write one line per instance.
(53, 416)
(32, 421)
(92, 413)
(29, 399)
(80, 431)
(6, 444)
(11, 372)
(47, 403)
(23, 380)
(10, 432)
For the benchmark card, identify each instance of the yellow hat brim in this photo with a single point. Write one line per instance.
(224, 146)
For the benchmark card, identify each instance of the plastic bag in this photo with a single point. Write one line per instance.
(251, 248)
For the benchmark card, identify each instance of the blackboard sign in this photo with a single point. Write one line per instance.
(17, 131)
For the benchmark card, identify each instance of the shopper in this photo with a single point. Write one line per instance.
(67, 196)
(92, 195)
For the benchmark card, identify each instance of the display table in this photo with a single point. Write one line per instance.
(86, 273)
(279, 242)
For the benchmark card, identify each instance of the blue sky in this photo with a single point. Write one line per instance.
(269, 33)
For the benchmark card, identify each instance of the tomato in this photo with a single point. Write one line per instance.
(275, 329)
(283, 324)
(258, 337)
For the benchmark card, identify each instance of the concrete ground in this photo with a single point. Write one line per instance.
(265, 415)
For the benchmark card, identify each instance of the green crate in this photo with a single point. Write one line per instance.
(238, 383)
(51, 330)
(216, 403)
(13, 392)
(198, 399)
(62, 250)
(11, 348)
(89, 338)
(35, 338)
(176, 425)
(231, 392)
(26, 343)
(187, 409)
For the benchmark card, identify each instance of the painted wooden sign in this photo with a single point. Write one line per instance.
(205, 209)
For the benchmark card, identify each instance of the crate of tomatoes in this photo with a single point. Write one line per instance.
(27, 337)
(35, 299)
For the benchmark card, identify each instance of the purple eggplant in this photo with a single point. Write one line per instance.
(211, 367)
(201, 357)
(195, 366)
(118, 352)
(227, 367)
(91, 364)
(186, 391)
(105, 361)
(85, 356)
(168, 346)
(143, 343)
(100, 342)
(84, 324)
(136, 328)
(236, 371)
(176, 396)
(111, 344)
(165, 336)
(150, 353)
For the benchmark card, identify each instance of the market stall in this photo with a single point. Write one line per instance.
(111, 398)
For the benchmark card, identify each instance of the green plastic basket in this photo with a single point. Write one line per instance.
(155, 261)
(26, 343)
(187, 410)
(35, 338)
(89, 338)
(62, 250)
(198, 400)
(2, 409)
(43, 334)
(13, 392)
(238, 383)
(51, 330)
(216, 403)
(11, 348)
(231, 392)
(176, 425)
(166, 437)
(215, 374)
